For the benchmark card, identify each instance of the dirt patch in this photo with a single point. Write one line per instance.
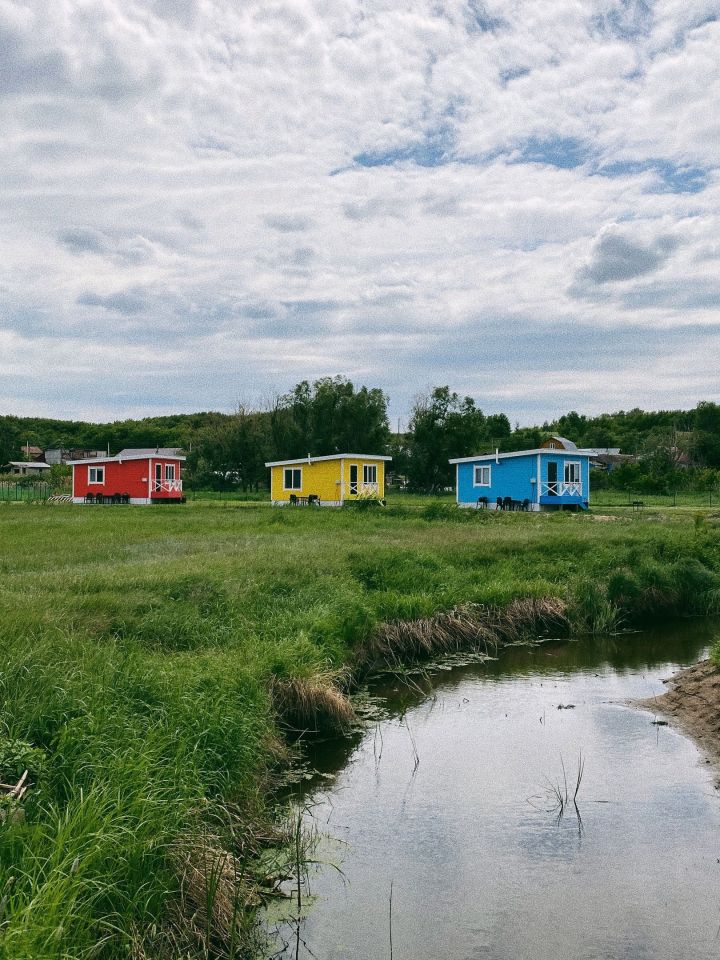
(692, 703)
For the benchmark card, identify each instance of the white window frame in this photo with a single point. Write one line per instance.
(370, 473)
(484, 470)
(169, 471)
(94, 480)
(576, 464)
(292, 471)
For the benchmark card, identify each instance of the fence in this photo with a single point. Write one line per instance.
(626, 498)
(9, 490)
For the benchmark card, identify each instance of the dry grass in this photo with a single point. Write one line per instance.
(313, 704)
(470, 627)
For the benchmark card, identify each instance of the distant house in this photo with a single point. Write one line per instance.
(25, 468)
(58, 455)
(601, 458)
(135, 477)
(32, 453)
(152, 452)
(608, 458)
(545, 478)
(328, 481)
(558, 443)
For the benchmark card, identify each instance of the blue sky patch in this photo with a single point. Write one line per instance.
(563, 152)
(674, 178)
(434, 150)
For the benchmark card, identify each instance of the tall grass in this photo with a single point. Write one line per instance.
(151, 659)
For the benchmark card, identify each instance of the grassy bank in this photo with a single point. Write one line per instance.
(145, 654)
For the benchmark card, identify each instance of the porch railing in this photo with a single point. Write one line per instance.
(167, 486)
(561, 489)
(363, 489)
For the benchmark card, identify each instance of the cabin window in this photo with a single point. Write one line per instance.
(96, 474)
(481, 476)
(169, 471)
(293, 479)
(572, 471)
(370, 473)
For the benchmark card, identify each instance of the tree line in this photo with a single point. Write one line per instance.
(675, 448)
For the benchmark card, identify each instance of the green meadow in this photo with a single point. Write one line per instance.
(141, 655)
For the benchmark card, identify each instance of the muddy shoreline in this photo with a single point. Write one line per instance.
(692, 704)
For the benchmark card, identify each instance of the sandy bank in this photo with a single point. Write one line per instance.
(692, 703)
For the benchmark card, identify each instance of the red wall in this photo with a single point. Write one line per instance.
(130, 476)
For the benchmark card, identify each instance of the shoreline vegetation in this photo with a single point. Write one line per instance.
(155, 667)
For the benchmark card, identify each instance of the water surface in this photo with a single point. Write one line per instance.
(451, 801)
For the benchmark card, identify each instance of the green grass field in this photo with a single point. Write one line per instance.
(139, 646)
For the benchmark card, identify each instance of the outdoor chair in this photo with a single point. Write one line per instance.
(116, 498)
(482, 503)
(500, 504)
(313, 500)
(293, 500)
(507, 503)
(125, 498)
(525, 504)
(89, 498)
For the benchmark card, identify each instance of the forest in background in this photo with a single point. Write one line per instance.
(675, 449)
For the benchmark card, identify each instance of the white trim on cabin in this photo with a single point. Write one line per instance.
(118, 459)
(575, 464)
(485, 470)
(293, 487)
(518, 453)
(342, 480)
(370, 475)
(333, 456)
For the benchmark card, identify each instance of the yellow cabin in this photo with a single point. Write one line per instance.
(328, 481)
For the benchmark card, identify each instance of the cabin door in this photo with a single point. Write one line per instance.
(353, 479)
(158, 476)
(552, 479)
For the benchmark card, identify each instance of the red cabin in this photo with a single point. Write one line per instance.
(133, 476)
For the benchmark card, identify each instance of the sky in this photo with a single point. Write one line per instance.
(203, 202)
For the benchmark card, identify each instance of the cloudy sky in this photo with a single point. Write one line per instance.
(205, 201)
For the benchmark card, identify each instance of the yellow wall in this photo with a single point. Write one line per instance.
(323, 478)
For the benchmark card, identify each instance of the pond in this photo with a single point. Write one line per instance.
(452, 803)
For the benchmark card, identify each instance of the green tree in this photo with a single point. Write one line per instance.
(329, 416)
(442, 425)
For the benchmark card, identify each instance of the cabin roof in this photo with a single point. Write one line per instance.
(35, 464)
(121, 458)
(545, 451)
(150, 452)
(332, 456)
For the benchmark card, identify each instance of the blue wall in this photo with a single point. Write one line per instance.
(512, 476)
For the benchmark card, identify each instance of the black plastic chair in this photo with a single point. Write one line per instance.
(116, 498)
(89, 498)
(482, 503)
(500, 503)
(525, 505)
(507, 503)
(125, 498)
(313, 500)
(293, 500)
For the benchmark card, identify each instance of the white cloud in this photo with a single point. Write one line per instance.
(202, 196)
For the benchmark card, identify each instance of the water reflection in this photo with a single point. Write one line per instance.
(447, 801)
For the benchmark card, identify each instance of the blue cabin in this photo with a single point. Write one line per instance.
(541, 479)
